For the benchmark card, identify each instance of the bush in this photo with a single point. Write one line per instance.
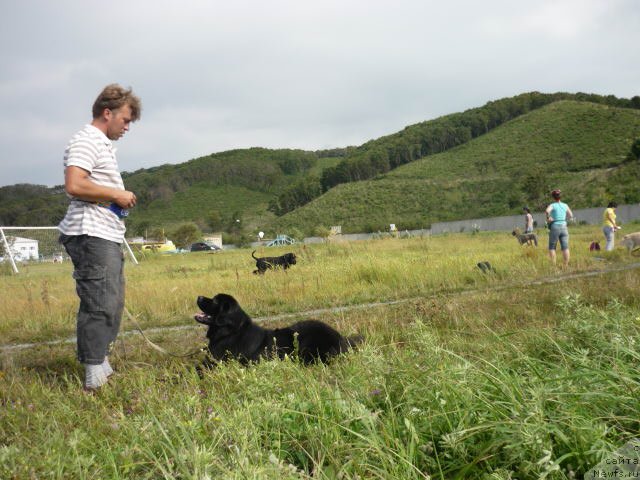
(295, 233)
(185, 235)
(321, 231)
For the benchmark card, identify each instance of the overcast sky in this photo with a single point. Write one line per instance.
(218, 75)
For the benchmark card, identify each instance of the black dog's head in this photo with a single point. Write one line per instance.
(221, 311)
(290, 258)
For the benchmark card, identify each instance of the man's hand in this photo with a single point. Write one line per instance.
(125, 198)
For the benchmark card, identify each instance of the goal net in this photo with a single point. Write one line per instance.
(20, 245)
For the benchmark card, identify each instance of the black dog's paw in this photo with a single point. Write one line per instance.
(204, 366)
(354, 340)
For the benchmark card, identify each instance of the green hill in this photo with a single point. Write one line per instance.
(237, 186)
(234, 183)
(580, 147)
(485, 161)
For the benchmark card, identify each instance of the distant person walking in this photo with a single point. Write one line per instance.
(92, 230)
(557, 215)
(609, 225)
(528, 220)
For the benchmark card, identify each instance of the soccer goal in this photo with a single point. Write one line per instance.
(20, 245)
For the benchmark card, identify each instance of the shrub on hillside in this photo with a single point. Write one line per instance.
(185, 235)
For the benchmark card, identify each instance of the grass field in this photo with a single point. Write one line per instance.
(528, 372)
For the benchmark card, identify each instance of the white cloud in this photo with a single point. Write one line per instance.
(288, 74)
(555, 19)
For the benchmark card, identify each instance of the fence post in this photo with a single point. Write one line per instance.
(8, 251)
(133, 257)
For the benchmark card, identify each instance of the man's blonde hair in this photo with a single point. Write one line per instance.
(115, 96)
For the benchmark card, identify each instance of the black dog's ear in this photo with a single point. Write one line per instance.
(224, 304)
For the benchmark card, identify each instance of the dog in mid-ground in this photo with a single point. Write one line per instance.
(485, 267)
(525, 238)
(265, 263)
(232, 334)
(631, 241)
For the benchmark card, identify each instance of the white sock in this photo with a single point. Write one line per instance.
(94, 376)
(108, 371)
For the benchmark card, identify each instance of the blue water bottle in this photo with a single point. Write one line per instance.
(118, 210)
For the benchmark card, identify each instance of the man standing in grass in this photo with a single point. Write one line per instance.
(92, 231)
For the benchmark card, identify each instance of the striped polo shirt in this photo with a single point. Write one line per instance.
(91, 150)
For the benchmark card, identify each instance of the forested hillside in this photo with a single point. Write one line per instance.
(588, 150)
(434, 136)
(254, 175)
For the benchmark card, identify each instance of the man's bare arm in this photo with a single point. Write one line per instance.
(78, 184)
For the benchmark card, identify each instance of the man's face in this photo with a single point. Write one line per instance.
(118, 121)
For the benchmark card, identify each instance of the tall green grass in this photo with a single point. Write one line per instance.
(161, 291)
(547, 405)
(472, 376)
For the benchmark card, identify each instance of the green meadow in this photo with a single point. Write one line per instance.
(526, 372)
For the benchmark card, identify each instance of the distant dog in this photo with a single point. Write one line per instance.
(631, 241)
(232, 334)
(485, 267)
(525, 238)
(265, 263)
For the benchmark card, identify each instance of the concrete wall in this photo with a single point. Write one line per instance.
(591, 216)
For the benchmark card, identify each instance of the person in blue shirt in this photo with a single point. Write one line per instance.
(558, 213)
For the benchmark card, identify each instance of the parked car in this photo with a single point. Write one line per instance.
(202, 246)
(166, 247)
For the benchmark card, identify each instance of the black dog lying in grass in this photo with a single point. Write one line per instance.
(232, 334)
(264, 263)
